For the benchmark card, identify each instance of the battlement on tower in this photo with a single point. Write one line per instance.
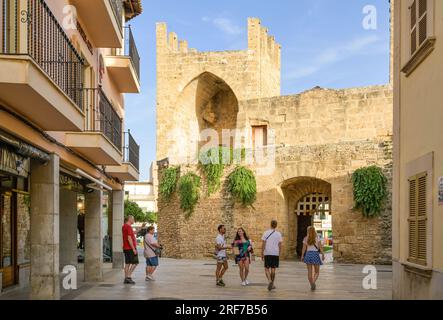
(263, 45)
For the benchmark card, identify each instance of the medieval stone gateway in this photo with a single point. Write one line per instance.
(320, 138)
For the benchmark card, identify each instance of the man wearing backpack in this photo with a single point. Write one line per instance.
(271, 248)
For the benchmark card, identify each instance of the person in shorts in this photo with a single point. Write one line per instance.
(271, 248)
(243, 245)
(312, 249)
(129, 249)
(222, 257)
(150, 245)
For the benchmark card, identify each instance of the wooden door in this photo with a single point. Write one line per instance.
(7, 259)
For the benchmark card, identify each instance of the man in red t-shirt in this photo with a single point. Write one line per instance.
(130, 249)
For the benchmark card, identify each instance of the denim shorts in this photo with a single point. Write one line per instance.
(152, 262)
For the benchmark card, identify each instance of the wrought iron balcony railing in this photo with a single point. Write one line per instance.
(28, 27)
(102, 117)
(131, 50)
(118, 8)
(131, 151)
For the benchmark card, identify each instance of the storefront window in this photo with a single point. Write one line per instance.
(107, 243)
(23, 229)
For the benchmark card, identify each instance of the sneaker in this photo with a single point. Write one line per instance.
(222, 283)
(247, 282)
(312, 286)
(270, 286)
(127, 281)
(243, 283)
(151, 277)
(147, 279)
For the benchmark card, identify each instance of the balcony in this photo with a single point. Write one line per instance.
(101, 142)
(103, 20)
(41, 72)
(129, 170)
(123, 65)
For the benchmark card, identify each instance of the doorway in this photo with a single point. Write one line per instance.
(303, 222)
(7, 239)
(315, 210)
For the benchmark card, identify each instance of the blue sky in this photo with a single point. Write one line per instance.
(323, 44)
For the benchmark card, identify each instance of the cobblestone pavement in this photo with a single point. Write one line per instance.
(191, 279)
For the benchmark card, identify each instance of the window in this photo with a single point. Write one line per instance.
(419, 23)
(259, 136)
(421, 33)
(417, 221)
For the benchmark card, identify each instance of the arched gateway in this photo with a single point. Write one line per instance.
(308, 202)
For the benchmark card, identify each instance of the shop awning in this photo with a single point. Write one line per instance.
(24, 149)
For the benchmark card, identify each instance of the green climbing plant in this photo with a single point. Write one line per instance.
(168, 182)
(243, 186)
(370, 190)
(189, 192)
(213, 162)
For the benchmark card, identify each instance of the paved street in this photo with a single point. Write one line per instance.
(186, 279)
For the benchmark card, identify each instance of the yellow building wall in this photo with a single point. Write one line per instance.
(421, 122)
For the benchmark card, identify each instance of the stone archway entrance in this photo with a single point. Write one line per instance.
(308, 202)
(208, 110)
(313, 209)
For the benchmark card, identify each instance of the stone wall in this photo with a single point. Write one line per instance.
(321, 137)
(251, 73)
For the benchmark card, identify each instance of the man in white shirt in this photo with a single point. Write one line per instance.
(271, 248)
(222, 257)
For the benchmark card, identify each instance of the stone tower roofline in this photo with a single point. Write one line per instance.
(259, 42)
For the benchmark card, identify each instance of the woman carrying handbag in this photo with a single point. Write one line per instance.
(242, 247)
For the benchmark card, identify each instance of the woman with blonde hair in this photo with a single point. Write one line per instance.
(312, 248)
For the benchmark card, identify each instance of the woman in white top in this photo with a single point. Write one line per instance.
(312, 248)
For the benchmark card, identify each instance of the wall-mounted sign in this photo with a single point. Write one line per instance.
(70, 183)
(13, 163)
(440, 191)
(85, 38)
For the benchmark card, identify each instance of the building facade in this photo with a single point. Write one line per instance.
(316, 140)
(144, 192)
(65, 152)
(418, 150)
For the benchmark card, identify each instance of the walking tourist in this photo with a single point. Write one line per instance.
(129, 249)
(312, 248)
(271, 248)
(151, 253)
(222, 257)
(242, 247)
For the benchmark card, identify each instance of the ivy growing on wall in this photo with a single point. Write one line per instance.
(168, 182)
(370, 190)
(213, 162)
(189, 192)
(243, 186)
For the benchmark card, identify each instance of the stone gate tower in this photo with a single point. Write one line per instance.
(187, 80)
(320, 137)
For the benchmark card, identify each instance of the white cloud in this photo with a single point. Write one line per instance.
(330, 56)
(225, 25)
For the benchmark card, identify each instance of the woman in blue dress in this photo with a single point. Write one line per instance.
(312, 248)
(243, 248)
